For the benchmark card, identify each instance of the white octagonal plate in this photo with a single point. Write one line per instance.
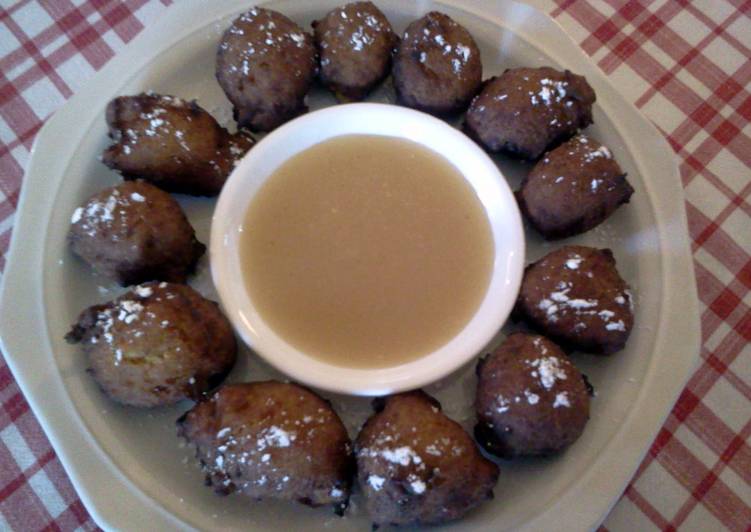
(128, 466)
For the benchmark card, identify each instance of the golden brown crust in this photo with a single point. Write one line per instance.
(133, 233)
(530, 400)
(172, 143)
(576, 296)
(265, 65)
(574, 188)
(525, 111)
(156, 344)
(355, 43)
(271, 440)
(418, 467)
(437, 67)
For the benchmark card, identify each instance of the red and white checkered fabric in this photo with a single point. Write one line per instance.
(685, 64)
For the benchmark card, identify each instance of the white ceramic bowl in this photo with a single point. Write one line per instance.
(370, 119)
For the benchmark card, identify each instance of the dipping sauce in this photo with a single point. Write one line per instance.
(366, 251)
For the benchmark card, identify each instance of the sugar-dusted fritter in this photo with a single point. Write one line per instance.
(526, 111)
(172, 143)
(135, 232)
(355, 43)
(576, 297)
(437, 68)
(265, 65)
(574, 188)
(156, 344)
(418, 467)
(272, 440)
(531, 400)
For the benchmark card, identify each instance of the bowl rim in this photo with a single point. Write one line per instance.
(380, 119)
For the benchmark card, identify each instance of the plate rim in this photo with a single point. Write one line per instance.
(22, 290)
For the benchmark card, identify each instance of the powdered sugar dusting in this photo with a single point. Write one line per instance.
(561, 399)
(463, 51)
(574, 262)
(503, 404)
(298, 39)
(376, 482)
(616, 326)
(551, 91)
(532, 398)
(549, 370)
(143, 291)
(601, 152)
(274, 436)
(401, 455)
(417, 485)
(76, 215)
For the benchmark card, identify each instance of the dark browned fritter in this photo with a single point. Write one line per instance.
(135, 232)
(576, 296)
(418, 467)
(573, 188)
(272, 440)
(437, 68)
(265, 65)
(172, 143)
(155, 345)
(355, 44)
(526, 111)
(531, 400)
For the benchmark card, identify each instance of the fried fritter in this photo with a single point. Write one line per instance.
(531, 400)
(418, 467)
(272, 440)
(135, 232)
(172, 143)
(355, 44)
(265, 65)
(155, 345)
(573, 188)
(526, 111)
(576, 297)
(437, 68)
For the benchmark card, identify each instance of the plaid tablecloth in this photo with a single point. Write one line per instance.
(685, 64)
